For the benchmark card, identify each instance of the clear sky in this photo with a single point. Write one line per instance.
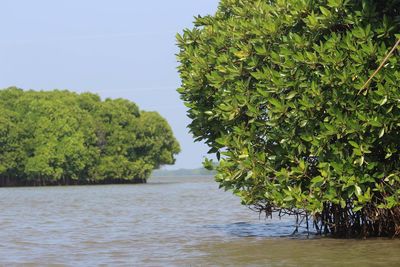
(119, 48)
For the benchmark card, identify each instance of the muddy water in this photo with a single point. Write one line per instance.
(167, 222)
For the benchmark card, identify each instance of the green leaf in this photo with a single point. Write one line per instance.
(325, 11)
(357, 208)
(343, 204)
(358, 190)
(291, 95)
(354, 144)
(383, 101)
(317, 179)
(335, 3)
(382, 132)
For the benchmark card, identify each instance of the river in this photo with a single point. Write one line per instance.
(167, 222)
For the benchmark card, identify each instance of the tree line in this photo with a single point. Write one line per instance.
(62, 138)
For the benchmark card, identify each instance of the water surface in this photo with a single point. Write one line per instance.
(167, 222)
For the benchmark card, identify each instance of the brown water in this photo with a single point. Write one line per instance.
(168, 222)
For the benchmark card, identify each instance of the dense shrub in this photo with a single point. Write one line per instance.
(276, 88)
(60, 137)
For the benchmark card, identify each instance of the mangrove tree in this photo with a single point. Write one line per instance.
(61, 137)
(281, 91)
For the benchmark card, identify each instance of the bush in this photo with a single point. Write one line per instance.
(60, 137)
(277, 89)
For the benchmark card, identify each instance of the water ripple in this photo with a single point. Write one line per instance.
(171, 222)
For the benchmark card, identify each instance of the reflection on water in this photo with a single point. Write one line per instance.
(262, 229)
(177, 222)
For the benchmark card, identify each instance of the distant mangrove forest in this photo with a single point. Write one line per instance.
(62, 138)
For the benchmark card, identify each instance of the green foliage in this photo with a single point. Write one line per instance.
(275, 88)
(60, 137)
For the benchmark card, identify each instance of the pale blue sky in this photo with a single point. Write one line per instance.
(119, 48)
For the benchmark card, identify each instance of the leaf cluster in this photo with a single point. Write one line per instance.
(276, 89)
